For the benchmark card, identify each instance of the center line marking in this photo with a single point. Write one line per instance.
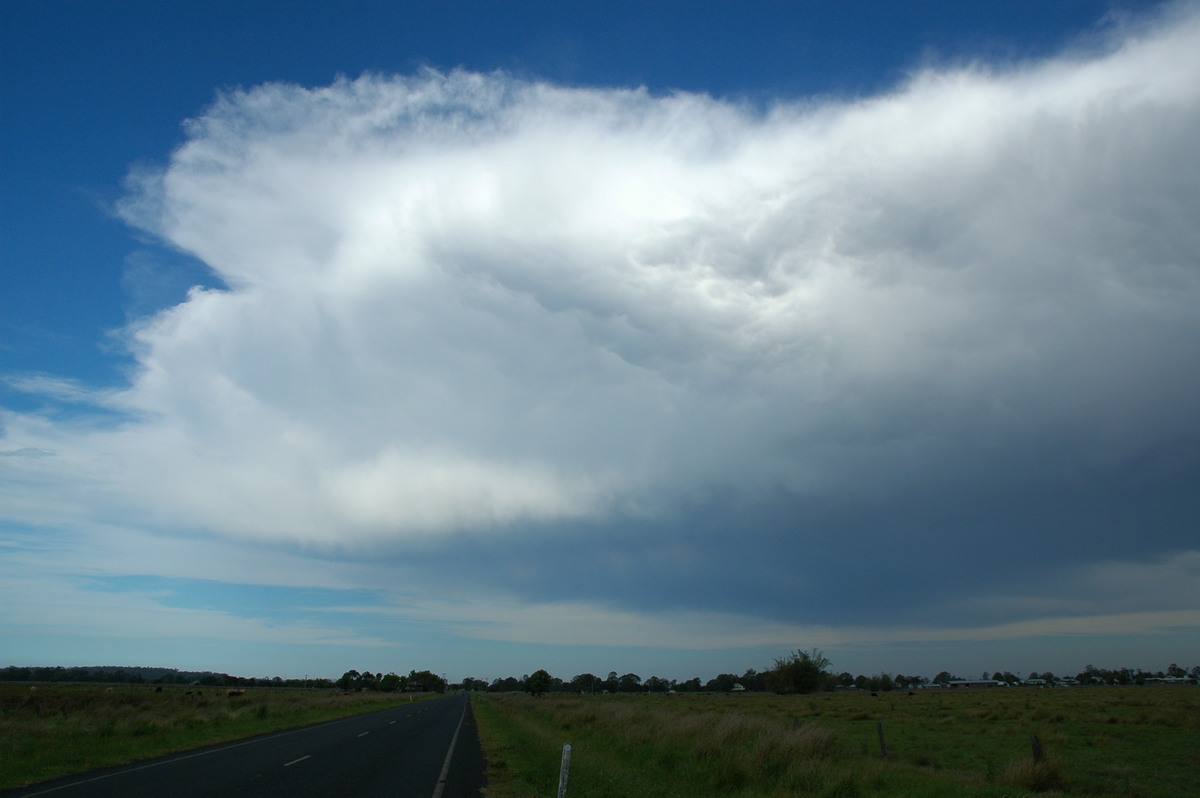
(364, 734)
(294, 761)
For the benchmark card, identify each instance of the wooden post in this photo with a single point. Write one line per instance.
(564, 771)
(882, 742)
(1036, 745)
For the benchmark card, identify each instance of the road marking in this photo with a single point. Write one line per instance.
(364, 734)
(294, 761)
(441, 785)
(174, 759)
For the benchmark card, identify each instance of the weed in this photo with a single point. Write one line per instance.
(1035, 775)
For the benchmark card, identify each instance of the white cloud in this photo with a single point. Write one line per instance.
(465, 302)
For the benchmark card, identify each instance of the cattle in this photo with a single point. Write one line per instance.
(235, 693)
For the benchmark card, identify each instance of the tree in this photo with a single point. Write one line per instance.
(656, 684)
(630, 683)
(392, 683)
(721, 683)
(586, 683)
(426, 682)
(800, 672)
(754, 681)
(538, 682)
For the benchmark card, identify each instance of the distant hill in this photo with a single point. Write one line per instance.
(130, 674)
(140, 674)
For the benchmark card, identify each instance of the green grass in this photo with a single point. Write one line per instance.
(56, 731)
(1135, 742)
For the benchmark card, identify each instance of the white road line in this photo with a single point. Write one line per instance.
(364, 734)
(294, 761)
(174, 759)
(441, 785)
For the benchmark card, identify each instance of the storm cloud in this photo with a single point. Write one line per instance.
(831, 361)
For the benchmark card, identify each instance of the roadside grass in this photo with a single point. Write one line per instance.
(1133, 742)
(55, 731)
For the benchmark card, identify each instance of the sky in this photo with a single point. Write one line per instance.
(661, 337)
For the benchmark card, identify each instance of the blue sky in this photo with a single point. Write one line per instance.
(655, 337)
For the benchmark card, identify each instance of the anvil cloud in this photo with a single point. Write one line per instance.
(830, 363)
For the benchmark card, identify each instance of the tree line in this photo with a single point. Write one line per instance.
(414, 682)
(796, 672)
(804, 672)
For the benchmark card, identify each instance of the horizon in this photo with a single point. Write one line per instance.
(832, 671)
(500, 337)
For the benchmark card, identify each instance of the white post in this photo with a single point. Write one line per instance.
(564, 771)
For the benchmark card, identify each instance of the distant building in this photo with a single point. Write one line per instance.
(975, 683)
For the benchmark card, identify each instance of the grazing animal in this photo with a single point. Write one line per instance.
(235, 693)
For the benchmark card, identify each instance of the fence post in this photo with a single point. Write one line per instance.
(564, 771)
(882, 742)
(1036, 745)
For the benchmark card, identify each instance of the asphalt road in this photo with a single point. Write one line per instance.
(399, 753)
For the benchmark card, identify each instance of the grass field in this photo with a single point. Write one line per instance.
(1132, 742)
(56, 730)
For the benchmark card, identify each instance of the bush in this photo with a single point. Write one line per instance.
(1035, 775)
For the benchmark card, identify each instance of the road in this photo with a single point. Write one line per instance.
(399, 753)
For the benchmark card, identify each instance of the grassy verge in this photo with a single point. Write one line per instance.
(1098, 742)
(60, 730)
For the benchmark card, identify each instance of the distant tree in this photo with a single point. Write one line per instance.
(945, 677)
(349, 680)
(692, 685)
(845, 679)
(721, 683)
(754, 681)
(392, 683)
(538, 682)
(630, 683)
(509, 684)
(586, 683)
(657, 684)
(1176, 672)
(426, 682)
(800, 672)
